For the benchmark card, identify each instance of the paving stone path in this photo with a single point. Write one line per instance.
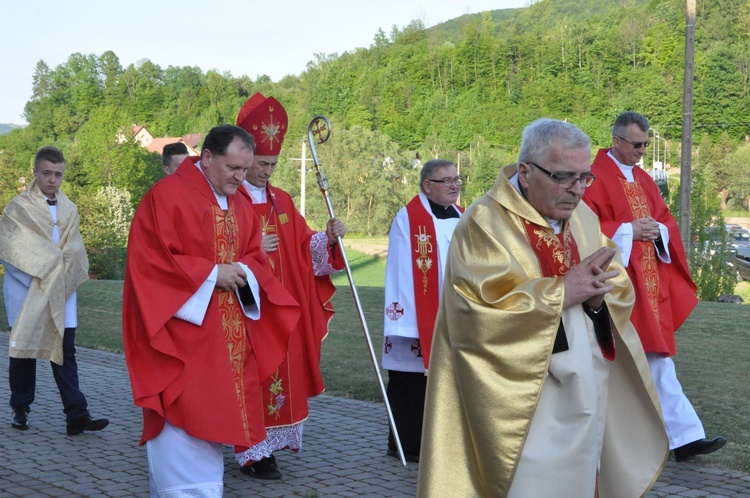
(343, 454)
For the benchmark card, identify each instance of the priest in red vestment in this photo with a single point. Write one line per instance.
(634, 215)
(196, 283)
(302, 260)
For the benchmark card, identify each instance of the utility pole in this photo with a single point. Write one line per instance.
(458, 171)
(303, 176)
(686, 161)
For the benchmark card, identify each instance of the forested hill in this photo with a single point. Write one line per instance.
(469, 85)
(7, 127)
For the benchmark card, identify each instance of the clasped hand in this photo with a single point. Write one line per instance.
(586, 282)
(645, 228)
(231, 277)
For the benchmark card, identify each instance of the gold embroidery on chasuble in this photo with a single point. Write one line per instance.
(561, 252)
(424, 262)
(649, 271)
(226, 243)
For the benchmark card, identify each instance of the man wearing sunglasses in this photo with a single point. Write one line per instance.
(634, 215)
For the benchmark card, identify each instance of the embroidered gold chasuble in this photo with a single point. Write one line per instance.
(494, 335)
(58, 269)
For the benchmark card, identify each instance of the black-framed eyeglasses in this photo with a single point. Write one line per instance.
(567, 180)
(636, 145)
(450, 181)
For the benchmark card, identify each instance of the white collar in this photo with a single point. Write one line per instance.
(221, 199)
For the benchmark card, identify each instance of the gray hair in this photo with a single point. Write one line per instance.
(429, 168)
(626, 119)
(540, 135)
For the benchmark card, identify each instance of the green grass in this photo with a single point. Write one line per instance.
(368, 271)
(735, 213)
(712, 357)
(743, 289)
(713, 345)
(345, 363)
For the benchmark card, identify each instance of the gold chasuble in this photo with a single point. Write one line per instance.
(492, 348)
(57, 269)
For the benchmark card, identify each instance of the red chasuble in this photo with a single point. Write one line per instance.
(665, 293)
(286, 391)
(203, 379)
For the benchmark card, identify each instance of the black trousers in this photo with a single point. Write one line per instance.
(22, 377)
(406, 392)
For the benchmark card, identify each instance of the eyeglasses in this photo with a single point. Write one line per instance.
(567, 180)
(450, 181)
(636, 145)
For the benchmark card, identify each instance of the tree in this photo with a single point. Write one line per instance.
(105, 154)
(370, 179)
(107, 214)
(709, 251)
(738, 179)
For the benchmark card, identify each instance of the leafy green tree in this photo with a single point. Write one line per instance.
(712, 159)
(738, 180)
(486, 164)
(370, 179)
(105, 223)
(709, 248)
(105, 154)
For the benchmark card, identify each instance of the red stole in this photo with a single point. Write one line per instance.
(425, 268)
(557, 253)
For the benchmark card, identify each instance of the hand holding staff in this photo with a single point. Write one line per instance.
(318, 131)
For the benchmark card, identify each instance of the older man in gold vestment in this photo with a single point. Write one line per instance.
(538, 384)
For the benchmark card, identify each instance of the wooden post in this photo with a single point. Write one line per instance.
(303, 177)
(686, 173)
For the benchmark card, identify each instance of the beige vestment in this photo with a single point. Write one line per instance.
(495, 330)
(57, 269)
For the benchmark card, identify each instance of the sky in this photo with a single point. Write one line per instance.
(243, 37)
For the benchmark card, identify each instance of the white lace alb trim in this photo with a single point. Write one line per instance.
(319, 253)
(277, 438)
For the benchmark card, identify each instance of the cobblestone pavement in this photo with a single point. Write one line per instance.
(344, 452)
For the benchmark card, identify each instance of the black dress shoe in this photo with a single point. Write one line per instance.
(86, 424)
(409, 457)
(699, 447)
(20, 418)
(262, 469)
